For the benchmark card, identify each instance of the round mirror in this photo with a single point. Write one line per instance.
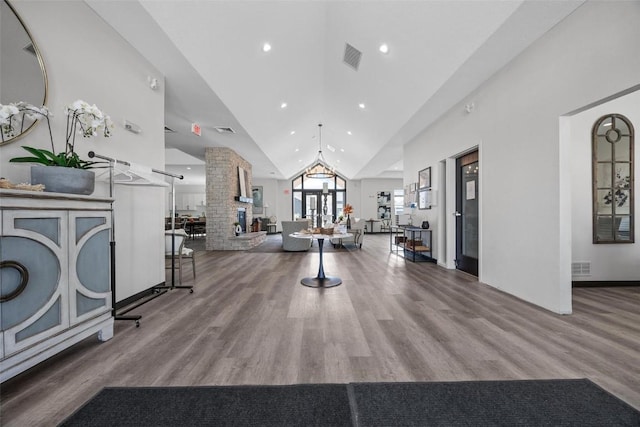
(22, 73)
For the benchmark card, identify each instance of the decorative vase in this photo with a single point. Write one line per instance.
(425, 225)
(238, 230)
(58, 179)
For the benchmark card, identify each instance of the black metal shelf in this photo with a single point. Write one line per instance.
(413, 243)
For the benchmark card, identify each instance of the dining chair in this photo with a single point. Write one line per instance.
(181, 251)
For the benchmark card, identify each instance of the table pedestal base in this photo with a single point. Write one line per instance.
(315, 282)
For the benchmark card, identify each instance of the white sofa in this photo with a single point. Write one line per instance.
(295, 244)
(357, 229)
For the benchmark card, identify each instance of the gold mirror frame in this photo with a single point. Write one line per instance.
(38, 56)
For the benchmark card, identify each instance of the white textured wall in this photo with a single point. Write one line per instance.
(369, 199)
(525, 240)
(608, 261)
(86, 59)
(270, 196)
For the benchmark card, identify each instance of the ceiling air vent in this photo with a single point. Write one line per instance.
(168, 130)
(352, 56)
(222, 129)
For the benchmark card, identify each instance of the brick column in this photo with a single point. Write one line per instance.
(222, 186)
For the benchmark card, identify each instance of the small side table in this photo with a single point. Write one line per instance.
(271, 228)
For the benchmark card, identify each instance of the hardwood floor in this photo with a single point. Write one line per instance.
(249, 321)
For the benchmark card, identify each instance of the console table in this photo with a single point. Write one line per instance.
(414, 243)
(55, 275)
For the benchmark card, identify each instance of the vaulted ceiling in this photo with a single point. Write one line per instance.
(218, 74)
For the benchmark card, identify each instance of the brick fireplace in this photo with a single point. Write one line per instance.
(223, 187)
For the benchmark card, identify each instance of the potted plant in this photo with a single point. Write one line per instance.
(70, 174)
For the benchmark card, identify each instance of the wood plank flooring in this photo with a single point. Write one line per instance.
(249, 321)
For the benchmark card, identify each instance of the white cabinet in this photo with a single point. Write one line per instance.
(55, 275)
(190, 201)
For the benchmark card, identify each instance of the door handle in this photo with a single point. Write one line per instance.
(456, 213)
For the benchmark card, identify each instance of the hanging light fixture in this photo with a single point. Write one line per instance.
(319, 168)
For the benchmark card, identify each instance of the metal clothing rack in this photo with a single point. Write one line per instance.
(158, 290)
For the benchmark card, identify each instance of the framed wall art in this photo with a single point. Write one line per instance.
(256, 192)
(424, 198)
(424, 178)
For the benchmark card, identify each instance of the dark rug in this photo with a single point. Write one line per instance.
(297, 405)
(577, 402)
(474, 403)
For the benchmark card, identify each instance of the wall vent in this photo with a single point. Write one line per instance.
(352, 56)
(223, 129)
(581, 268)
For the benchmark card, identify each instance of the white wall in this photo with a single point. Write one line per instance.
(608, 261)
(85, 59)
(369, 189)
(270, 196)
(525, 241)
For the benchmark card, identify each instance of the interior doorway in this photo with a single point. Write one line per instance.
(467, 212)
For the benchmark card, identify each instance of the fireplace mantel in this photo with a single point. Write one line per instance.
(241, 199)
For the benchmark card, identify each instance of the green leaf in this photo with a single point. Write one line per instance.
(31, 160)
(48, 158)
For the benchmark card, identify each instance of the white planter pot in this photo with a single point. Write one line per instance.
(57, 179)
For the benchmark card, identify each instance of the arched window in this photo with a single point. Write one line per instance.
(612, 178)
(321, 200)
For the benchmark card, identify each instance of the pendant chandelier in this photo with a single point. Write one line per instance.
(319, 169)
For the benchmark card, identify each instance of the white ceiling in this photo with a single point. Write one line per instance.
(216, 73)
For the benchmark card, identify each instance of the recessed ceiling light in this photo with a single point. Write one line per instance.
(293, 132)
(342, 149)
(331, 148)
(384, 48)
(361, 105)
(188, 168)
(349, 132)
(338, 160)
(266, 47)
(283, 105)
(296, 150)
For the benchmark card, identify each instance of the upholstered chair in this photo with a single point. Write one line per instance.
(295, 244)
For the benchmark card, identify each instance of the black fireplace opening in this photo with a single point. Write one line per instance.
(242, 219)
